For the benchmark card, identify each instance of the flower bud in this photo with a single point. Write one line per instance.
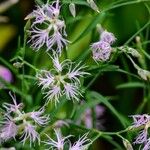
(127, 144)
(18, 65)
(144, 74)
(72, 9)
(93, 5)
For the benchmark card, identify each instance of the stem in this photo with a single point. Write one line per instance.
(28, 64)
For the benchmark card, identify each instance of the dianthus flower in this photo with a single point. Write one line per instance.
(8, 130)
(139, 120)
(62, 80)
(147, 145)
(17, 122)
(58, 143)
(142, 121)
(102, 49)
(47, 28)
(30, 133)
(81, 144)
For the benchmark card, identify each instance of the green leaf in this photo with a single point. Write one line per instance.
(98, 19)
(79, 2)
(131, 85)
(92, 96)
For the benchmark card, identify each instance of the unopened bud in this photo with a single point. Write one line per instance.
(138, 39)
(134, 52)
(127, 144)
(72, 9)
(93, 5)
(144, 74)
(130, 50)
(18, 65)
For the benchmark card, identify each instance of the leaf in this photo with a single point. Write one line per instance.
(94, 95)
(82, 108)
(79, 2)
(131, 85)
(98, 19)
(113, 142)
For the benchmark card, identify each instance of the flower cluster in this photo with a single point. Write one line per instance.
(62, 80)
(47, 29)
(17, 122)
(60, 142)
(142, 138)
(102, 49)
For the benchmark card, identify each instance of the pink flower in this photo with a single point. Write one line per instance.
(62, 80)
(8, 130)
(108, 37)
(81, 144)
(53, 33)
(142, 137)
(6, 75)
(12, 107)
(147, 145)
(39, 117)
(58, 143)
(102, 49)
(30, 133)
(139, 120)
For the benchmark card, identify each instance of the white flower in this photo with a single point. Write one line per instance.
(39, 117)
(8, 130)
(30, 133)
(71, 91)
(52, 33)
(102, 49)
(108, 37)
(81, 144)
(12, 107)
(58, 143)
(62, 80)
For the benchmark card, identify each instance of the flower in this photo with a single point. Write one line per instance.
(39, 117)
(5, 75)
(81, 144)
(102, 49)
(8, 130)
(17, 122)
(147, 145)
(58, 143)
(142, 137)
(107, 37)
(139, 120)
(62, 80)
(47, 29)
(30, 133)
(12, 107)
